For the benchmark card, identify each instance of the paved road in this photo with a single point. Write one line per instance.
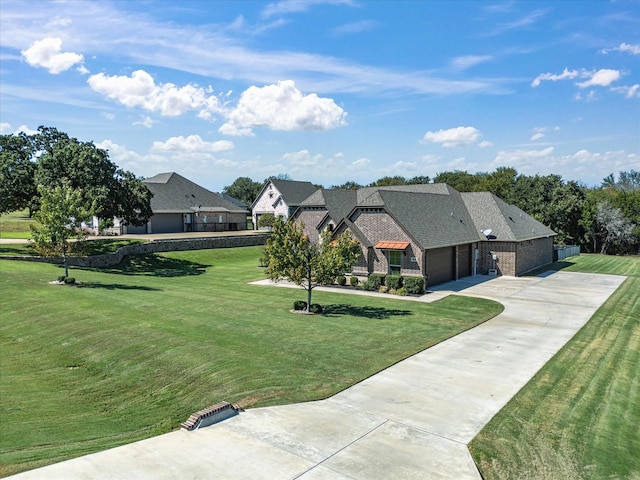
(412, 420)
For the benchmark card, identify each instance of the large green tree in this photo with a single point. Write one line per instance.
(291, 255)
(243, 189)
(59, 232)
(52, 158)
(17, 170)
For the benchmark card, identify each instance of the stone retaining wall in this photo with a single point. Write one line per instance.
(110, 259)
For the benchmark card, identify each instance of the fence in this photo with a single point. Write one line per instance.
(560, 252)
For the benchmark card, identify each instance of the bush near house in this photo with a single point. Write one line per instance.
(393, 282)
(354, 281)
(377, 280)
(414, 285)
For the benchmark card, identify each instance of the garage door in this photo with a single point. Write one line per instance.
(464, 261)
(167, 223)
(441, 265)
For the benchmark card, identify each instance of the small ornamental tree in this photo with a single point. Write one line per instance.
(266, 220)
(292, 256)
(60, 215)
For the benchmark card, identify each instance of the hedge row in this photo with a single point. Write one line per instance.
(394, 283)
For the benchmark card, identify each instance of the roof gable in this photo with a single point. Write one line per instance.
(507, 222)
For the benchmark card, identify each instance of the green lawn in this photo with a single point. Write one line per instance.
(16, 225)
(141, 346)
(579, 417)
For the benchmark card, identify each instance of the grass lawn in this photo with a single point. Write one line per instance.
(579, 417)
(141, 346)
(16, 225)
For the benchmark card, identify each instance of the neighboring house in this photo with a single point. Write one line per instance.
(430, 230)
(179, 205)
(280, 198)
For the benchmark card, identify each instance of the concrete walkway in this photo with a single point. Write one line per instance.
(412, 420)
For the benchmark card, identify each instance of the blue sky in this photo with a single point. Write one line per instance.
(330, 90)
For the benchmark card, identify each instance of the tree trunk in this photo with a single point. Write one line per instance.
(309, 288)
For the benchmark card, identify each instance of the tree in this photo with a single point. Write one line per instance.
(348, 185)
(419, 180)
(389, 181)
(292, 256)
(60, 215)
(17, 170)
(616, 230)
(243, 189)
(266, 220)
(461, 181)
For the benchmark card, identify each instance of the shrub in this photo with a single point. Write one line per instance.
(300, 305)
(266, 220)
(369, 286)
(393, 282)
(402, 292)
(61, 278)
(414, 285)
(354, 281)
(69, 280)
(342, 280)
(377, 279)
(316, 308)
(382, 289)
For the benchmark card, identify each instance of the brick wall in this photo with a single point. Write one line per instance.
(310, 219)
(515, 258)
(533, 254)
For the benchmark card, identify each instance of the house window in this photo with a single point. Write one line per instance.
(395, 261)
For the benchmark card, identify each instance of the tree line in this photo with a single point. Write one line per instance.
(602, 219)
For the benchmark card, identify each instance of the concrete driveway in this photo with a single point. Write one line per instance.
(412, 420)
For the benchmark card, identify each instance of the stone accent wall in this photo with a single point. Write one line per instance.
(110, 259)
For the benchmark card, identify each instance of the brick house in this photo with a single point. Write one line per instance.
(179, 205)
(280, 198)
(430, 230)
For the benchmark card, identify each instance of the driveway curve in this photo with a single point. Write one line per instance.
(412, 420)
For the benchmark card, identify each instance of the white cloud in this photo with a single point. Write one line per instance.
(26, 130)
(303, 158)
(629, 92)
(468, 61)
(191, 144)
(565, 75)
(602, 78)
(624, 47)
(140, 90)
(46, 53)
(284, 7)
(537, 136)
(356, 27)
(145, 122)
(453, 137)
(361, 163)
(485, 144)
(5, 128)
(282, 107)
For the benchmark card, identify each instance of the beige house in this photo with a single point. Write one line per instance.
(280, 198)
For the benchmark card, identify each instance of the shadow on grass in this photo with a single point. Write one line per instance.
(118, 286)
(156, 265)
(549, 269)
(378, 313)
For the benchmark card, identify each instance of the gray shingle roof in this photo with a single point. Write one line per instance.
(433, 220)
(173, 193)
(507, 222)
(293, 192)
